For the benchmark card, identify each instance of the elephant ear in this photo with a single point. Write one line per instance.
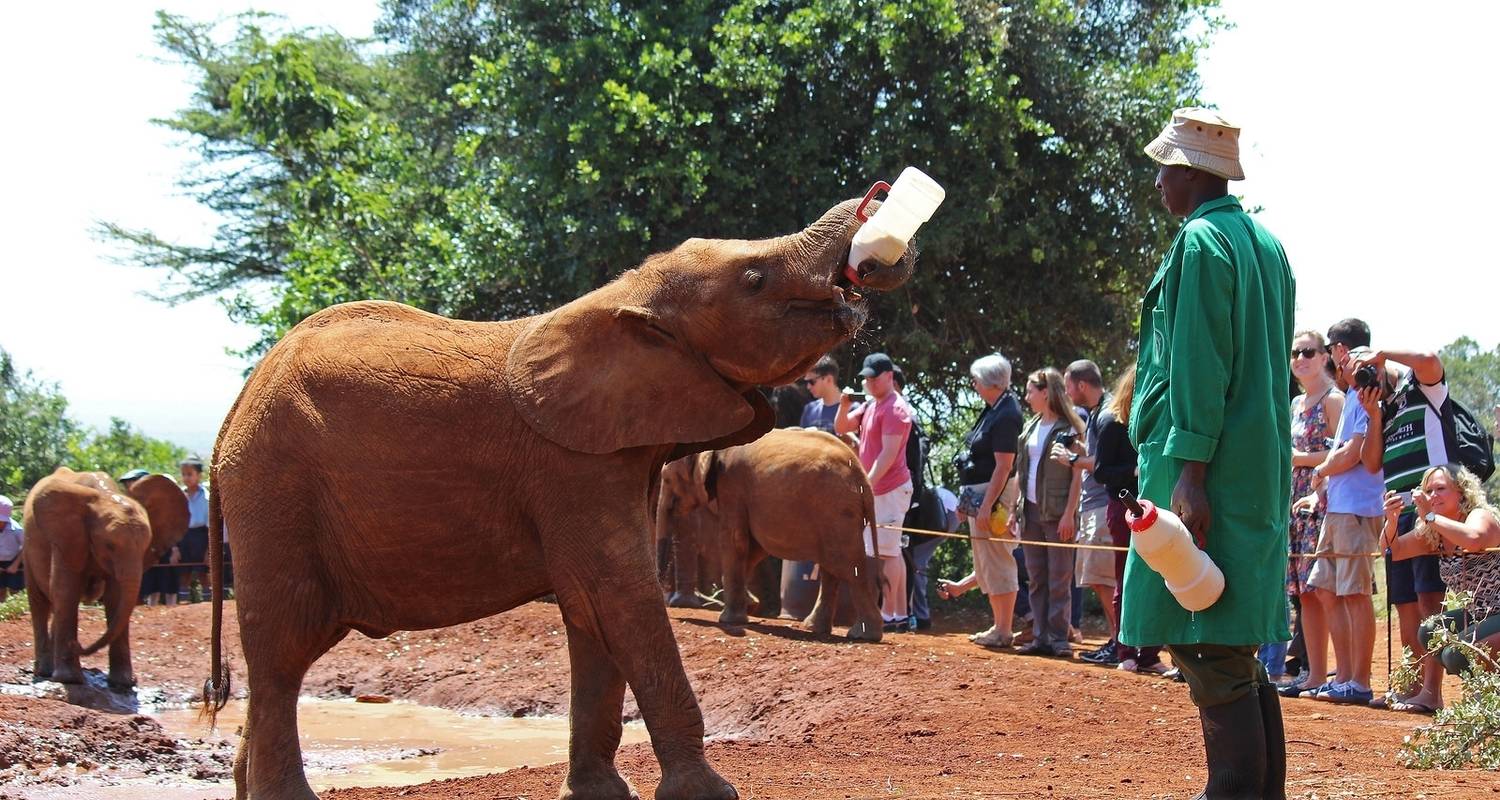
(166, 508)
(597, 379)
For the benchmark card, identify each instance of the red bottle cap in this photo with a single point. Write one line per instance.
(1145, 520)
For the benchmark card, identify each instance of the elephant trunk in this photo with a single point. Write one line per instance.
(120, 604)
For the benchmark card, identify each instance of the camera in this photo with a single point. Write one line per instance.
(1364, 377)
(854, 394)
(1067, 438)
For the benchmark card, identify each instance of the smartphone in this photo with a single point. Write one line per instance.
(854, 394)
(1405, 498)
(1066, 438)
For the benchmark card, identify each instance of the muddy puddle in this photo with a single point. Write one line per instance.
(344, 744)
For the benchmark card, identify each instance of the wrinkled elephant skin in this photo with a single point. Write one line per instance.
(387, 469)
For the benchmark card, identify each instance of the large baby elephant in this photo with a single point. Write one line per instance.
(87, 540)
(532, 449)
(794, 494)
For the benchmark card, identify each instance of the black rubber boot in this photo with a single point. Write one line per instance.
(1270, 719)
(1234, 739)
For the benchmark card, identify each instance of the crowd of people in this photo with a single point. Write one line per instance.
(1029, 482)
(180, 575)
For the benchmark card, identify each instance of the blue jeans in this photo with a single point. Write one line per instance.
(1273, 657)
(921, 555)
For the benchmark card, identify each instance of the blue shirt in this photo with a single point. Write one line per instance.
(820, 416)
(198, 507)
(1355, 490)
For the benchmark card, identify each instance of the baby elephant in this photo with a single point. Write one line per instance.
(794, 494)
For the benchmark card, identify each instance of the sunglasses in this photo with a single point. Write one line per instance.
(1307, 352)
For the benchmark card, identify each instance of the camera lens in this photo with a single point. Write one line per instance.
(1365, 376)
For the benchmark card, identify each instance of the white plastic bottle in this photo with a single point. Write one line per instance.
(911, 201)
(1167, 547)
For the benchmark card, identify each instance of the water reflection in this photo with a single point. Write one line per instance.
(345, 743)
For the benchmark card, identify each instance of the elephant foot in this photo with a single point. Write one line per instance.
(685, 600)
(67, 675)
(42, 670)
(730, 617)
(820, 627)
(122, 682)
(864, 632)
(597, 785)
(700, 783)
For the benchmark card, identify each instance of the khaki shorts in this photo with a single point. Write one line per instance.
(994, 564)
(1346, 533)
(890, 509)
(1094, 567)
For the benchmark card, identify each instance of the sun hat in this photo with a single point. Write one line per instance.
(133, 475)
(1201, 139)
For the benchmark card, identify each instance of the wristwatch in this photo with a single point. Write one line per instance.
(1429, 517)
(1073, 459)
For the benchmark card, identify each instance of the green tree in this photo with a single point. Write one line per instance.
(488, 160)
(1473, 377)
(35, 428)
(123, 448)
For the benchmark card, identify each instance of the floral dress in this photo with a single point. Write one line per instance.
(1308, 429)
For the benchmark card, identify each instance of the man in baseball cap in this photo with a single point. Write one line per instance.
(1210, 422)
(877, 364)
(12, 581)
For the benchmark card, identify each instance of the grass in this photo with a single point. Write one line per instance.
(14, 607)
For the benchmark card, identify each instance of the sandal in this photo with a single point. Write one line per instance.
(1409, 707)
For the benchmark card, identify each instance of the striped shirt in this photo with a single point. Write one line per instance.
(1413, 433)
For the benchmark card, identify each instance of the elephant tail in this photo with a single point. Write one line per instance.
(216, 688)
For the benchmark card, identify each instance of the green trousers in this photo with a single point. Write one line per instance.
(1218, 673)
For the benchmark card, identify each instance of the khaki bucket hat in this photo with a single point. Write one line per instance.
(1201, 139)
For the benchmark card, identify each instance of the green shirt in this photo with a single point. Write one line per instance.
(1212, 385)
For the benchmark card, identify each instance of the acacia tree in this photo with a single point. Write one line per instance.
(491, 159)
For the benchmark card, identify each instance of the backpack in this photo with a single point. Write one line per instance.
(1467, 442)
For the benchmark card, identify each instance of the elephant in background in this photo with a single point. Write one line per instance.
(687, 527)
(534, 449)
(800, 495)
(88, 540)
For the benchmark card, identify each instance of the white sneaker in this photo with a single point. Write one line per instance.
(990, 631)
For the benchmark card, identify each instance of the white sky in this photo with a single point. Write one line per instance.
(1366, 135)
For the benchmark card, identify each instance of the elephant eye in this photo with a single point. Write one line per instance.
(755, 280)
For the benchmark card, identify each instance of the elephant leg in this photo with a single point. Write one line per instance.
(862, 581)
(595, 711)
(736, 572)
(66, 588)
(279, 643)
(121, 674)
(685, 573)
(41, 613)
(608, 594)
(820, 621)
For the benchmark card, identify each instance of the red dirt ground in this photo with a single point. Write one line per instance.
(789, 715)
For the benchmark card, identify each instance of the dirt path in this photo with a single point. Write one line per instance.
(789, 715)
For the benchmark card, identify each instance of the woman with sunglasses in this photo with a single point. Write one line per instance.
(1315, 415)
(1456, 522)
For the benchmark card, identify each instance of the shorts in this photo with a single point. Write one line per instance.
(890, 509)
(12, 582)
(994, 564)
(1094, 567)
(1346, 534)
(194, 550)
(1410, 577)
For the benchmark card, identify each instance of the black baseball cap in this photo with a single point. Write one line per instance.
(877, 364)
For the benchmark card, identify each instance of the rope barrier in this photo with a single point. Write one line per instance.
(1117, 549)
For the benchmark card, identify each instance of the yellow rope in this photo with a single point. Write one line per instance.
(1116, 549)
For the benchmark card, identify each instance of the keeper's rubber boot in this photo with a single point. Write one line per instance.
(1234, 740)
(1270, 718)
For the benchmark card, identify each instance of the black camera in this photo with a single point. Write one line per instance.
(1067, 438)
(1364, 377)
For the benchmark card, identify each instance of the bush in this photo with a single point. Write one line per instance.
(1464, 734)
(14, 607)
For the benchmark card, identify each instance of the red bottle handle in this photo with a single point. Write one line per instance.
(880, 186)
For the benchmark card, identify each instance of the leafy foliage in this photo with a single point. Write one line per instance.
(489, 160)
(39, 437)
(14, 607)
(1464, 734)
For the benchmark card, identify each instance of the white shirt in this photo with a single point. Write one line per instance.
(1034, 444)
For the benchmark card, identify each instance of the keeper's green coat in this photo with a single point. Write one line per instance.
(1212, 385)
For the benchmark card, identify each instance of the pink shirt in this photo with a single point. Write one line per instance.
(889, 417)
